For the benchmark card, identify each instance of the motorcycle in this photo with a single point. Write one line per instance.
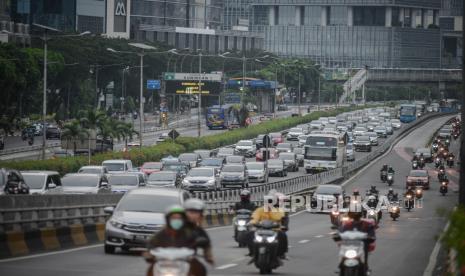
(334, 217)
(352, 257)
(30, 141)
(447, 142)
(383, 176)
(441, 174)
(390, 179)
(418, 192)
(175, 261)
(450, 161)
(372, 214)
(455, 135)
(435, 147)
(443, 189)
(415, 165)
(421, 163)
(266, 247)
(394, 211)
(437, 162)
(241, 228)
(409, 202)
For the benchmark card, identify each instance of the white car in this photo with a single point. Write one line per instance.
(302, 140)
(396, 124)
(245, 148)
(200, 179)
(359, 131)
(373, 138)
(294, 134)
(380, 131)
(316, 125)
(350, 153)
(43, 182)
(332, 120)
(257, 172)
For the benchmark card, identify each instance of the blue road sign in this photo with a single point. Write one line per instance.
(153, 84)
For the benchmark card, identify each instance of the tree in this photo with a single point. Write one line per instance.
(125, 131)
(73, 131)
(92, 119)
(107, 129)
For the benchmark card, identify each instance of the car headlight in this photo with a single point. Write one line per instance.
(350, 254)
(211, 181)
(271, 239)
(258, 238)
(185, 182)
(116, 223)
(241, 222)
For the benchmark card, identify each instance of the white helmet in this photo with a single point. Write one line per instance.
(194, 204)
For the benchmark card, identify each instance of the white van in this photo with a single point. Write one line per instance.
(118, 166)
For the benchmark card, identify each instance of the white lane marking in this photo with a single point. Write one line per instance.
(304, 241)
(319, 236)
(226, 266)
(50, 253)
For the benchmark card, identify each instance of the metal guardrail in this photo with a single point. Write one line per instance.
(35, 211)
(28, 148)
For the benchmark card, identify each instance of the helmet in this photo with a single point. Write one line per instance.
(391, 190)
(245, 195)
(371, 198)
(194, 204)
(175, 209)
(356, 192)
(385, 166)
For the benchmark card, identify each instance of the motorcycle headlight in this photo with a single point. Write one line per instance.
(116, 223)
(241, 222)
(271, 239)
(334, 213)
(371, 213)
(258, 238)
(408, 196)
(418, 191)
(395, 208)
(350, 254)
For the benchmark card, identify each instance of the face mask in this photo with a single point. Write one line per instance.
(176, 224)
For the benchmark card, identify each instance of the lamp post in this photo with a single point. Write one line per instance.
(199, 109)
(45, 38)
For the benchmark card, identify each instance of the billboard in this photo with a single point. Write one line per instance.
(192, 87)
(168, 76)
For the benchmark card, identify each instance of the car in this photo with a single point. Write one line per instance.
(371, 126)
(426, 154)
(324, 120)
(300, 156)
(84, 183)
(204, 153)
(138, 215)
(61, 153)
(282, 107)
(362, 143)
(52, 132)
(332, 120)
(216, 163)
(294, 133)
(234, 175)
(235, 159)
(151, 167)
(190, 159)
(200, 179)
(43, 182)
(257, 172)
(163, 179)
(121, 183)
(223, 152)
(163, 137)
(272, 154)
(342, 128)
(118, 166)
(396, 124)
(2, 141)
(302, 140)
(276, 138)
(316, 125)
(389, 128)
(323, 198)
(180, 168)
(284, 147)
(290, 161)
(381, 131)
(359, 131)
(101, 170)
(276, 167)
(373, 138)
(133, 145)
(259, 141)
(245, 148)
(418, 178)
(350, 154)
(12, 182)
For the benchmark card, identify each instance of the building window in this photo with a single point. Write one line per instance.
(369, 16)
(396, 20)
(337, 15)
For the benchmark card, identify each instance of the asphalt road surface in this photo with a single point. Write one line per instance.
(403, 246)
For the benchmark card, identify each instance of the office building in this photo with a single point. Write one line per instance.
(450, 22)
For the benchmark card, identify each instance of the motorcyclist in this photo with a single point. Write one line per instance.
(273, 213)
(383, 172)
(384, 168)
(391, 170)
(392, 196)
(374, 191)
(415, 158)
(410, 191)
(245, 202)
(194, 211)
(366, 226)
(176, 233)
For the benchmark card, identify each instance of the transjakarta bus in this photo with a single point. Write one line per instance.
(221, 117)
(324, 150)
(408, 113)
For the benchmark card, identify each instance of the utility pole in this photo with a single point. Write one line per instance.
(319, 92)
(298, 98)
(199, 110)
(141, 97)
(462, 122)
(44, 105)
(243, 78)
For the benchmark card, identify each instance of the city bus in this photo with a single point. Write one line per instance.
(324, 150)
(450, 105)
(221, 117)
(408, 113)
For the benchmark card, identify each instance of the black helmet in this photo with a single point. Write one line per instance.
(356, 192)
(391, 190)
(245, 195)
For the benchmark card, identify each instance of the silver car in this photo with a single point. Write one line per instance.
(121, 183)
(284, 147)
(350, 154)
(139, 215)
(302, 140)
(290, 161)
(257, 172)
(373, 138)
(294, 133)
(235, 159)
(223, 152)
(191, 159)
(163, 179)
(43, 182)
(245, 148)
(396, 124)
(200, 179)
(300, 155)
(323, 198)
(82, 183)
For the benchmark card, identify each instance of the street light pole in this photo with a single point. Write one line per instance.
(141, 104)
(298, 98)
(44, 105)
(319, 92)
(275, 90)
(243, 78)
(199, 109)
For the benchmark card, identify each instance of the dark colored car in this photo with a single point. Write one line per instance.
(52, 132)
(418, 178)
(362, 143)
(12, 182)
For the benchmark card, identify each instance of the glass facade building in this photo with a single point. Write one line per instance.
(339, 33)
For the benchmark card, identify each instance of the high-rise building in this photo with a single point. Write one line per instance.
(450, 22)
(338, 33)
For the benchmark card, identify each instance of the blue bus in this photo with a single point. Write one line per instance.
(408, 113)
(450, 105)
(221, 117)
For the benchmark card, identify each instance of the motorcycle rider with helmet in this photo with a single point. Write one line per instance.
(194, 212)
(391, 170)
(392, 196)
(245, 202)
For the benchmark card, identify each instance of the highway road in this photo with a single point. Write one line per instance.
(403, 247)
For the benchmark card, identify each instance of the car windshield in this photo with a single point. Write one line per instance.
(327, 190)
(283, 146)
(146, 203)
(34, 181)
(349, 146)
(211, 162)
(234, 159)
(275, 163)
(225, 151)
(286, 156)
(295, 130)
(245, 143)
(90, 170)
(200, 172)
(152, 166)
(363, 139)
(232, 169)
(255, 166)
(317, 153)
(188, 157)
(359, 129)
(114, 167)
(80, 181)
(418, 173)
(162, 176)
(395, 121)
(129, 180)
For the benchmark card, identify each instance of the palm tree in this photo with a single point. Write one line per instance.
(107, 129)
(125, 131)
(73, 131)
(91, 119)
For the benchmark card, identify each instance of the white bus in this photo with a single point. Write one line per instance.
(324, 150)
